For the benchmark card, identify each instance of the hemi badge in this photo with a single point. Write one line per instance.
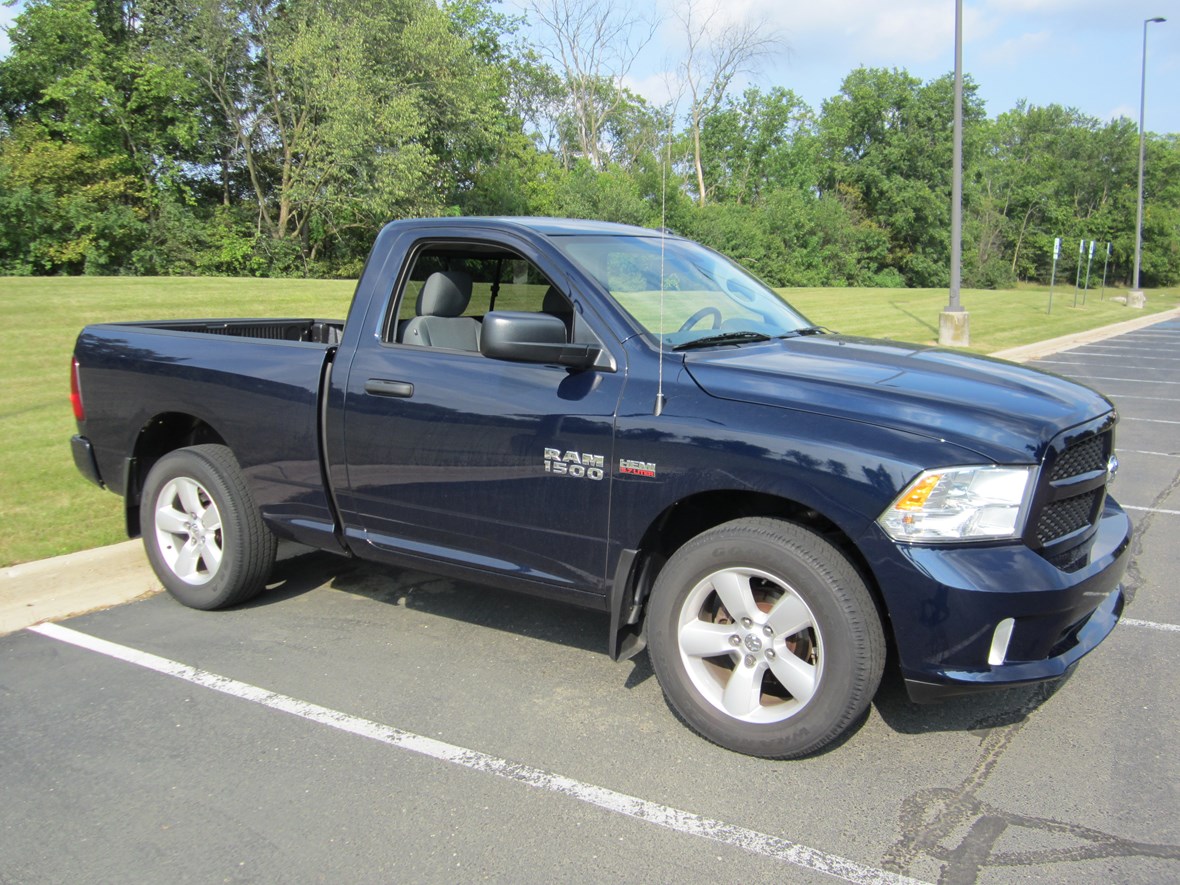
(637, 468)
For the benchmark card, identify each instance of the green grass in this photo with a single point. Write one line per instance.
(999, 319)
(46, 508)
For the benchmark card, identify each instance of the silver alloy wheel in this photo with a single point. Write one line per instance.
(751, 645)
(188, 530)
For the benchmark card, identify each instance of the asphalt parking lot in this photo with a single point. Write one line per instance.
(357, 725)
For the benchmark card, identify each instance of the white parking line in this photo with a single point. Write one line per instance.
(1149, 420)
(1158, 399)
(1120, 356)
(1161, 454)
(1128, 380)
(1109, 344)
(1151, 510)
(618, 803)
(1150, 625)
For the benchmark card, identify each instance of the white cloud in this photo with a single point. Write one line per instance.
(1078, 53)
(1055, 8)
(1124, 110)
(1016, 49)
(871, 32)
(658, 88)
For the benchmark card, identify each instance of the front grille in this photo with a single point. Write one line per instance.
(1071, 495)
(1063, 518)
(1072, 559)
(1084, 457)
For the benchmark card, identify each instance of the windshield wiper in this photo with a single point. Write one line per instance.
(806, 330)
(723, 338)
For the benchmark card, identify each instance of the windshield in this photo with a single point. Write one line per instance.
(705, 295)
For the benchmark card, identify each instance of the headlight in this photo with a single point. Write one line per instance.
(960, 504)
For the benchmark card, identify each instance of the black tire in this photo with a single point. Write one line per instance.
(803, 666)
(202, 531)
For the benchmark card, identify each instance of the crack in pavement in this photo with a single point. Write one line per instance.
(1133, 579)
(929, 818)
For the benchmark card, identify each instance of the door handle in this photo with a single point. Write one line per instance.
(383, 387)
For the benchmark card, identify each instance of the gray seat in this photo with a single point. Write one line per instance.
(558, 305)
(439, 323)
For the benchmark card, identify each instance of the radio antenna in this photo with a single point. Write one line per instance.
(660, 400)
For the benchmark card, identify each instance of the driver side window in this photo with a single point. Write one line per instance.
(452, 286)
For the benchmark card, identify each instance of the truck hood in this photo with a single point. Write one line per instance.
(1005, 412)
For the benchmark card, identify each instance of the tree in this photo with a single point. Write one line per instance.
(1052, 171)
(759, 144)
(275, 136)
(98, 135)
(1161, 227)
(63, 207)
(717, 50)
(81, 71)
(886, 147)
(594, 44)
(341, 114)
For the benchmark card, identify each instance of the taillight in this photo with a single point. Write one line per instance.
(76, 392)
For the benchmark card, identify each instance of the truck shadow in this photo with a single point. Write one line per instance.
(482, 606)
(974, 713)
(299, 571)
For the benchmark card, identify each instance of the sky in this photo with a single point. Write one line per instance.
(1085, 54)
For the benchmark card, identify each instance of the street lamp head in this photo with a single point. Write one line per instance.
(1157, 20)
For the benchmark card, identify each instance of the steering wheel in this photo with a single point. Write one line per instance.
(700, 315)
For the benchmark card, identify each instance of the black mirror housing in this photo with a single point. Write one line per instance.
(533, 338)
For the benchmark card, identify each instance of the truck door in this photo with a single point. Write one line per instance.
(453, 457)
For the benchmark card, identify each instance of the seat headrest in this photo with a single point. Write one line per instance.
(556, 303)
(446, 293)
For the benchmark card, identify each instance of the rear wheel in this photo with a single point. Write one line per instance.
(764, 638)
(203, 533)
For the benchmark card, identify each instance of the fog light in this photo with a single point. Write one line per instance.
(1000, 640)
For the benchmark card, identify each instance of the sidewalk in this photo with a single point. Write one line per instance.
(1040, 349)
(64, 586)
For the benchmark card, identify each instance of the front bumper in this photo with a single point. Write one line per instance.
(945, 604)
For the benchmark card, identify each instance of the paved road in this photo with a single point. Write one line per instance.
(355, 725)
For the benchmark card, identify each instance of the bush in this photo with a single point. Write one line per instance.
(996, 273)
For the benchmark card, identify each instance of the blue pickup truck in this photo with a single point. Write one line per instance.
(625, 420)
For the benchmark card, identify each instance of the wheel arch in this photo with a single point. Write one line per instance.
(164, 433)
(680, 522)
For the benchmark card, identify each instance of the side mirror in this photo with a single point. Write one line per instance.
(533, 338)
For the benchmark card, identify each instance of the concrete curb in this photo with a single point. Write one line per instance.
(65, 586)
(74, 584)
(1040, 349)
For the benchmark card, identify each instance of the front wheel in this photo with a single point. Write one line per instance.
(202, 531)
(764, 638)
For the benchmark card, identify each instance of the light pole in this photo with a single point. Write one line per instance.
(1136, 298)
(953, 323)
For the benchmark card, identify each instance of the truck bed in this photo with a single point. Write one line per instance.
(313, 331)
(251, 384)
